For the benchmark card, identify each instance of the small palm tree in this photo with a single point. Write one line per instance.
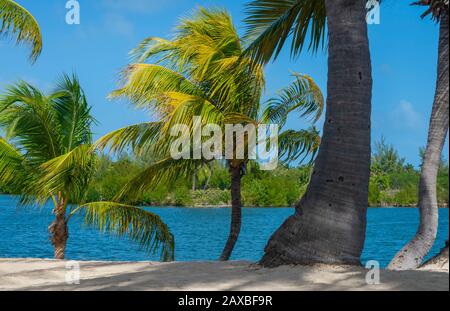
(202, 72)
(47, 155)
(15, 20)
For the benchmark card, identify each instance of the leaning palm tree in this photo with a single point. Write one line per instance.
(16, 21)
(330, 219)
(201, 74)
(46, 155)
(412, 254)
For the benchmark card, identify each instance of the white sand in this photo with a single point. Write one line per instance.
(37, 274)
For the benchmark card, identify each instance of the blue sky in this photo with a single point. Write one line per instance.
(403, 47)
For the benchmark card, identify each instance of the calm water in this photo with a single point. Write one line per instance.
(200, 233)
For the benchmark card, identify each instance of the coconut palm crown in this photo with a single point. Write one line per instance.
(202, 72)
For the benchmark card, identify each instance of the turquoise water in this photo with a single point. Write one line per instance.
(200, 233)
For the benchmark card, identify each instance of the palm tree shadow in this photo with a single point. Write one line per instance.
(237, 276)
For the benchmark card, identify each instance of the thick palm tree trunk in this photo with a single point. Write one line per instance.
(330, 220)
(59, 232)
(236, 212)
(412, 254)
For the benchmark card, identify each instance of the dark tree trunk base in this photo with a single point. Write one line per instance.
(59, 234)
(297, 243)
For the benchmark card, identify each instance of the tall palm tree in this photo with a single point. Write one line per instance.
(202, 72)
(330, 219)
(412, 254)
(47, 156)
(16, 21)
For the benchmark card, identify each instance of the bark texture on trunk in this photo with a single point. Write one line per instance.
(59, 233)
(330, 220)
(438, 262)
(194, 180)
(412, 254)
(236, 212)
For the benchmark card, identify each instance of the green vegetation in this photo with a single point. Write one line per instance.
(393, 183)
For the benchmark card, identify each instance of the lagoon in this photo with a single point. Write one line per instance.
(200, 233)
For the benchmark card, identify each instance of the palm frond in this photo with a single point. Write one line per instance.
(435, 7)
(30, 122)
(69, 174)
(295, 144)
(16, 21)
(166, 171)
(132, 222)
(73, 113)
(271, 22)
(302, 95)
(151, 47)
(139, 137)
(145, 85)
(10, 163)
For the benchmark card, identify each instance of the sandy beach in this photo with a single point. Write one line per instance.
(37, 274)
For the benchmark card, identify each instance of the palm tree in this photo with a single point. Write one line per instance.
(412, 254)
(202, 72)
(15, 20)
(47, 156)
(330, 219)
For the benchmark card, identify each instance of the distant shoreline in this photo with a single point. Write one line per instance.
(381, 205)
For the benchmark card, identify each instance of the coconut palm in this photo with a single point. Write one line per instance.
(46, 155)
(330, 219)
(412, 254)
(201, 72)
(16, 21)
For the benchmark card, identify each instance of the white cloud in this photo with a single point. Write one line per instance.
(406, 116)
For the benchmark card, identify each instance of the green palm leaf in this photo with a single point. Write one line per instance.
(271, 22)
(302, 95)
(294, 144)
(10, 162)
(152, 47)
(68, 174)
(73, 113)
(30, 122)
(140, 137)
(135, 223)
(166, 171)
(16, 21)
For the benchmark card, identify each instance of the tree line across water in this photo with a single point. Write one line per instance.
(393, 182)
